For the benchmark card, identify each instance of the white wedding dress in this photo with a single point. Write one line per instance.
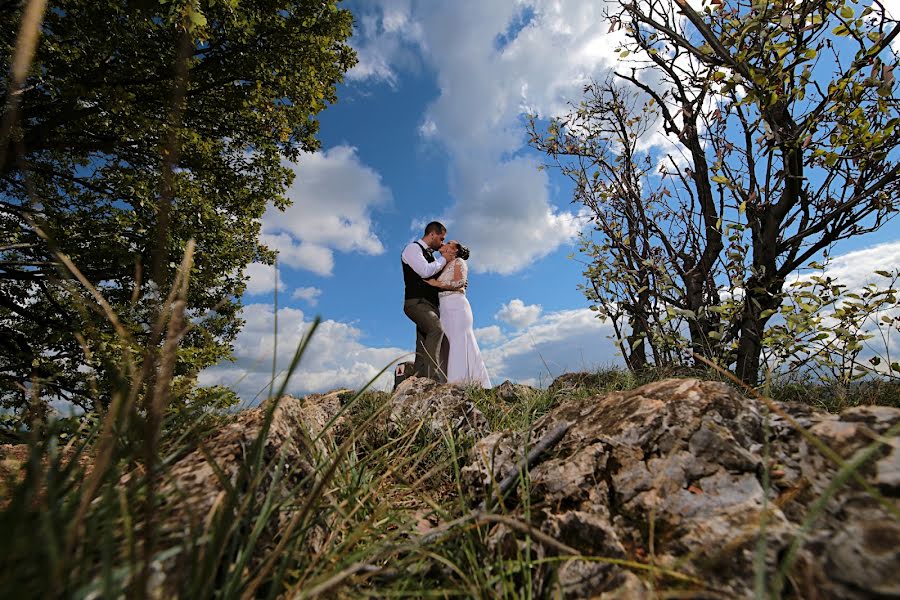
(464, 364)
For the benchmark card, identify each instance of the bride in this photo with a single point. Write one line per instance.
(464, 364)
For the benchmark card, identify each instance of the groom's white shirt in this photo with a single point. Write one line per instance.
(412, 255)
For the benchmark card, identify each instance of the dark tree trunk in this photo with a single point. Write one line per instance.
(762, 291)
(752, 328)
(640, 332)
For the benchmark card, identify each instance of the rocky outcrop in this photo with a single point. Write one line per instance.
(438, 407)
(300, 434)
(513, 392)
(693, 478)
(295, 423)
(569, 382)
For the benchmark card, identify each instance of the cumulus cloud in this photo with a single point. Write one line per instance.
(489, 336)
(857, 268)
(262, 279)
(557, 343)
(494, 63)
(518, 314)
(333, 197)
(383, 42)
(309, 294)
(334, 358)
(300, 255)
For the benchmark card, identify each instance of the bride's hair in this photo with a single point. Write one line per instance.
(462, 252)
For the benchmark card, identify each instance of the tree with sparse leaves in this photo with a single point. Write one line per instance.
(781, 121)
(143, 124)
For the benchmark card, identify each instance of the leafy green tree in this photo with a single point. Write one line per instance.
(141, 125)
(782, 124)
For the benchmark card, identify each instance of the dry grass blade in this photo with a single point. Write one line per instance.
(552, 542)
(549, 440)
(107, 440)
(175, 332)
(170, 154)
(108, 311)
(298, 518)
(174, 308)
(102, 460)
(337, 578)
(26, 44)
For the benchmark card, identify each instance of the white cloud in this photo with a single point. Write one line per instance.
(559, 342)
(494, 62)
(489, 336)
(571, 340)
(518, 314)
(428, 128)
(300, 255)
(309, 294)
(261, 279)
(857, 268)
(384, 41)
(334, 358)
(333, 196)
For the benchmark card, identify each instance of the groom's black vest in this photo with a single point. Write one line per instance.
(416, 288)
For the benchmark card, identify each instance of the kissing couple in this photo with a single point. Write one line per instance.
(435, 277)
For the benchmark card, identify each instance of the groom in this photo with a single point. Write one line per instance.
(421, 300)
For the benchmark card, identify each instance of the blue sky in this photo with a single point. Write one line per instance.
(431, 125)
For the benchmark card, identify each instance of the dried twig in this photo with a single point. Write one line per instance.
(548, 441)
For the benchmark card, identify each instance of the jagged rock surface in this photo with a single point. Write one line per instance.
(687, 456)
(193, 492)
(569, 382)
(511, 392)
(441, 407)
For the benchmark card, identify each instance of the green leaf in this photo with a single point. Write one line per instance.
(846, 12)
(197, 18)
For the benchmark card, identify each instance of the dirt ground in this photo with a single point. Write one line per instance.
(13, 458)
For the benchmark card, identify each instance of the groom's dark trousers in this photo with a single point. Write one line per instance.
(420, 303)
(429, 336)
